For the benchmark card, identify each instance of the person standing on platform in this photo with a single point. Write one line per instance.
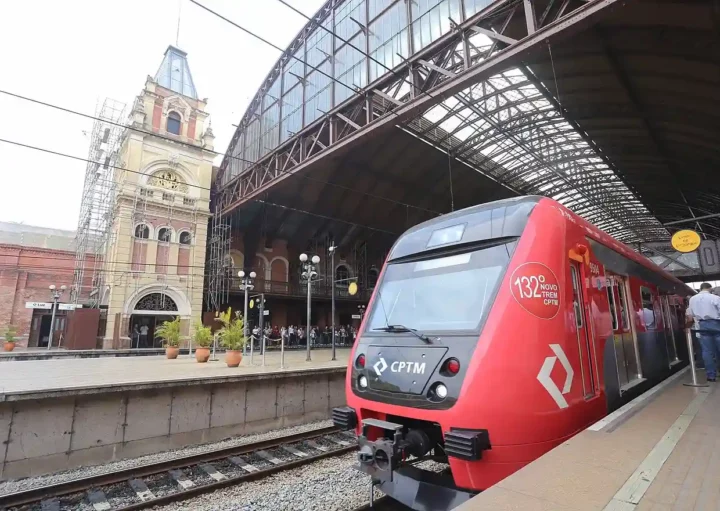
(704, 307)
(136, 337)
(143, 335)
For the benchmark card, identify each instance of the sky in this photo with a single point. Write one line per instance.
(75, 53)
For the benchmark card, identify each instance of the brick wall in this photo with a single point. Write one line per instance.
(25, 276)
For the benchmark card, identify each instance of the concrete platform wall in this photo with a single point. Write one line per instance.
(41, 436)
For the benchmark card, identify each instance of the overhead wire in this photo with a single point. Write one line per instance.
(197, 186)
(185, 144)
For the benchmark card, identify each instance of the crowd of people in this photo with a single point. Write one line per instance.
(296, 335)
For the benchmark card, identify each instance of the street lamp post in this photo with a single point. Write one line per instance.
(332, 249)
(56, 294)
(246, 285)
(309, 273)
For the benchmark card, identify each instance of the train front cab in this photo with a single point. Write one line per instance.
(547, 357)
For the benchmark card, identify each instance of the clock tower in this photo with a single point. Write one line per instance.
(155, 259)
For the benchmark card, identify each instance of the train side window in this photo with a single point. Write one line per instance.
(610, 284)
(623, 306)
(648, 311)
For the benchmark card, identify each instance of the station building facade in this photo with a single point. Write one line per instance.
(155, 258)
(31, 260)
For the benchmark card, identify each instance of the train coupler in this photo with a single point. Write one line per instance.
(380, 458)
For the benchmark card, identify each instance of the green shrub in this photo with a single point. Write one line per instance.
(169, 332)
(232, 334)
(10, 334)
(203, 335)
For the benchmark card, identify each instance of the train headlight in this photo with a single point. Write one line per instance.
(441, 391)
(362, 381)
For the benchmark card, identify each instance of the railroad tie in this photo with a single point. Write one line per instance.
(141, 489)
(294, 451)
(339, 441)
(50, 505)
(317, 446)
(268, 457)
(238, 461)
(98, 500)
(213, 472)
(181, 479)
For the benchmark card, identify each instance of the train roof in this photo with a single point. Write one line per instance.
(507, 218)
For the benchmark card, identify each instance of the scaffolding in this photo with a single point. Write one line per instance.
(219, 263)
(97, 204)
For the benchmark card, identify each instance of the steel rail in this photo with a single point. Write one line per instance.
(35, 495)
(383, 504)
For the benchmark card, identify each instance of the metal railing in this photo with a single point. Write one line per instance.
(299, 289)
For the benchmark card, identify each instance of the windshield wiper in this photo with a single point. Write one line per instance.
(393, 329)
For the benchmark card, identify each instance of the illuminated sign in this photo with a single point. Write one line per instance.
(685, 241)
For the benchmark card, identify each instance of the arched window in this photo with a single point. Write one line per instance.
(342, 276)
(142, 232)
(156, 302)
(173, 123)
(165, 234)
(185, 238)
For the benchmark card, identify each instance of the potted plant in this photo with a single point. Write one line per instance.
(169, 332)
(203, 340)
(9, 338)
(232, 336)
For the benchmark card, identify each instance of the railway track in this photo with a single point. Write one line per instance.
(383, 504)
(179, 479)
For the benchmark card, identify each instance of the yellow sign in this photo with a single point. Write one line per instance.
(352, 288)
(252, 303)
(685, 241)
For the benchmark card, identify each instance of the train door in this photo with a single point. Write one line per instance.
(626, 356)
(584, 332)
(669, 326)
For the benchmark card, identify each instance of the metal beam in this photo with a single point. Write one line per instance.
(510, 56)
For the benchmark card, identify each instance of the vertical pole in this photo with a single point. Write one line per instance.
(691, 356)
(262, 325)
(309, 292)
(282, 352)
(245, 313)
(332, 299)
(52, 322)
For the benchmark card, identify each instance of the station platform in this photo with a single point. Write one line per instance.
(61, 414)
(660, 452)
(41, 378)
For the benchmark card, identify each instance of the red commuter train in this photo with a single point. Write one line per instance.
(494, 334)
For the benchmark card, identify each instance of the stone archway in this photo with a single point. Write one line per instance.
(149, 307)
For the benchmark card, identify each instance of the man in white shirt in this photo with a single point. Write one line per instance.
(143, 336)
(704, 308)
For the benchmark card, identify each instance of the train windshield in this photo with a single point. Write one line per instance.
(447, 293)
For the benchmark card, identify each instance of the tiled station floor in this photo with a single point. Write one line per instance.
(661, 454)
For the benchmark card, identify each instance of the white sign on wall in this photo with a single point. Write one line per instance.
(38, 305)
(69, 306)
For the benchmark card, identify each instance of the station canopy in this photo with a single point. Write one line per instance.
(609, 107)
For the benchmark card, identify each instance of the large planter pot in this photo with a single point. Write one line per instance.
(202, 354)
(8, 346)
(233, 358)
(172, 352)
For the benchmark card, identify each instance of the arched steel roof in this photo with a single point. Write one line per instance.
(511, 88)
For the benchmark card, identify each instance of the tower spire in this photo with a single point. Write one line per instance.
(174, 73)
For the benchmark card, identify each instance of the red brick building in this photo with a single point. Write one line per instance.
(31, 260)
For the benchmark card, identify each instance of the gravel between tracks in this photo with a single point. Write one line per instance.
(32, 482)
(332, 484)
